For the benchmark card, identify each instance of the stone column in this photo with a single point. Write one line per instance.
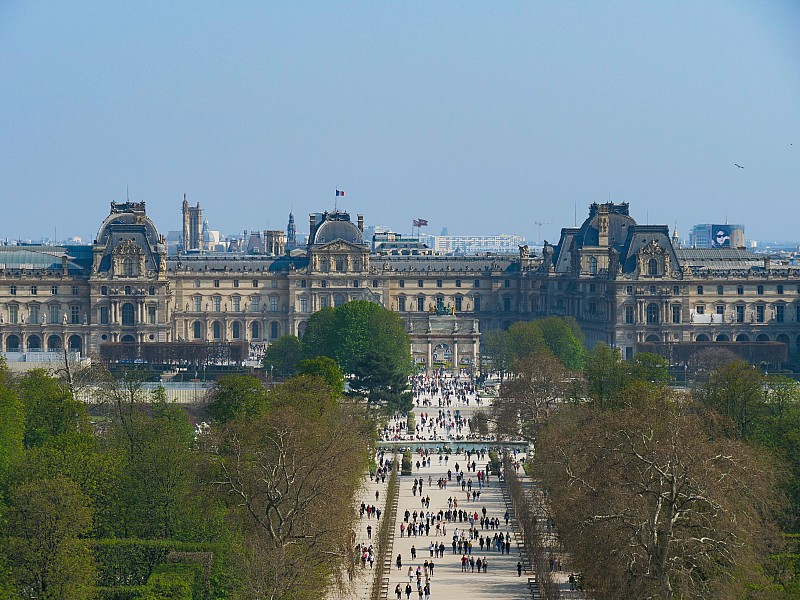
(455, 353)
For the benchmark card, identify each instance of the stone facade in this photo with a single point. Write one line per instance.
(626, 284)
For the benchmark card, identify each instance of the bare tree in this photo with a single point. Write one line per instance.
(290, 474)
(651, 506)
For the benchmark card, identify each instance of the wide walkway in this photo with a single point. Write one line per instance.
(448, 578)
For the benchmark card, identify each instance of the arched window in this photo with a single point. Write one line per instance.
(255, 330)
(652, 313)
(75, 343)
(652, 267)
(197, 330)
(236, 330)
(12, 343)
(217, 330)
(593, 265)
(340, 264)
(34, 343)
(127, 267)
(339, 299)
(128, 314)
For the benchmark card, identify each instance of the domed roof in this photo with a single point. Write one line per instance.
(337, 226)
(127, 216)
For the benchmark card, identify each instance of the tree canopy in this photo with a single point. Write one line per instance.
(282, 357)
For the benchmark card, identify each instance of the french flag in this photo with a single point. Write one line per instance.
(339, 193)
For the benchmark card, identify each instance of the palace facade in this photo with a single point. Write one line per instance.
(628, 285)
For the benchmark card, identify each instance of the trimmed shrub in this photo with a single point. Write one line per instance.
(406, 466)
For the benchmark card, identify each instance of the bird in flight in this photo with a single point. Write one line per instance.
(738, 165)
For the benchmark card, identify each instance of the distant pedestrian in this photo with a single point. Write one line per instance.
(519, 569)
(398, 592)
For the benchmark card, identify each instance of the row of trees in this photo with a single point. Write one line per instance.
(91, 505)
(368, 342)
(659, 493)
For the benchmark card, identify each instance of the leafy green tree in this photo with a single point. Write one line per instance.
(47, 556)
(319, 336)
(564, 338)
(605, 375)
(283, 356)
(649, 367)
(235, 395)
(525, 338)
(496, 349)
(326, 369)
(50, 409)
(12, 425)
(735, 390)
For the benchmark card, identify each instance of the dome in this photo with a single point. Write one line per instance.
(337, 226)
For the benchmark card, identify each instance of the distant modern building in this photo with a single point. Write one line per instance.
(709, 235)
(474, 244)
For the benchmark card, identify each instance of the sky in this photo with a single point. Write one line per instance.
(482, 117)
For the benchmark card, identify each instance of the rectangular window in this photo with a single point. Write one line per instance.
(54, 313)
(458, 283)
(273, 283)
(236, 303)
(629, 315)
(402, 283)
(33, 314)
(53, 290)
(699, 290)
(720, 290)
(419, 283)
(780, 290)
(477, 283)
(74, 314)
(273, 304)
(151, 315)
(760, 290)
(303, 283)
(779, 312)
(720, 308)
(236, 283)
(401, 304)
(629, 290)
(13, 290)
(700, 309)
(420, 304)
(592, 308)
(255, 283)
(438, 283)
(374, 283)
(74, 290)
(34, 290)
(217, 303)
(13, 313)
(323, 302)
(197, 283)
(759, 313)
(592, 288)
(506, 283)
(303, 304)
(676, 313)
(458, 303)
(254, 303)
(506, 304)
(740, 290)
(103, 315)
(740, 313)
(676, 290)
(477, 303)
(216, 283)
(198, 303)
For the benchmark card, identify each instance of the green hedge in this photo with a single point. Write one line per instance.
(405, 465)
(130, 562)
(494, 462)
(178, 581)
(134, 592)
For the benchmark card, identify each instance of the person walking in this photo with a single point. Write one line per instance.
(408, 591)
(519, 569)
(398, 592)
(399, 562)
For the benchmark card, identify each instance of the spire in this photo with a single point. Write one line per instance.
(675, 239)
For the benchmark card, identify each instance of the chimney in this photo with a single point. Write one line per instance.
(361, 223)
(312, 221)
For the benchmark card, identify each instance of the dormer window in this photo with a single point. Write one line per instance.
(652, 267)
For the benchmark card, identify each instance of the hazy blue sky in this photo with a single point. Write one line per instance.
(481, 116)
